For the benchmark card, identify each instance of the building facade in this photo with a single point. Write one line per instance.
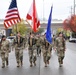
(54, 26)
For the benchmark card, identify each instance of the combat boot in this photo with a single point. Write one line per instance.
(3, 65)
(18, 65)
(60, 65)
(45, 64)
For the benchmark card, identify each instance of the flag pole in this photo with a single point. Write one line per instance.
(29, 24)
(43, 10)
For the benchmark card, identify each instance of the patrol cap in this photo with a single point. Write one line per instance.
(60, 32)
(3, 36)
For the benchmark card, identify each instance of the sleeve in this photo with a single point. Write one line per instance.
(56, 42)
(64, 44)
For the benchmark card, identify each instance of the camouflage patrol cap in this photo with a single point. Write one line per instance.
(60, 32)
(3, 36)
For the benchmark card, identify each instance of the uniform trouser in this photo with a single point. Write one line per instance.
(32, 57)
(61, 56)
(60, 59)
(46, 57)
(19, 56)
(38, 50)
(4, 57)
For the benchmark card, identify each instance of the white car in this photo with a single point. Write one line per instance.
(11, 39)
(71, 39)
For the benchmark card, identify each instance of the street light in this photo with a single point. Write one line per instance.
(43, 10)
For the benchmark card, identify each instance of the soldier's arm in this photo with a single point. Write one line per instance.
(64, 44)
(56, 43)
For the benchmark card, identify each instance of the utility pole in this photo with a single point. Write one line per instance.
(43, 10)
(74, 7)
(71, 10)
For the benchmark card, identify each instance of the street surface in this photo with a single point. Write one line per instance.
(69, 66)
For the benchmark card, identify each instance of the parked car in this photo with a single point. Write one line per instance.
(72, 37)
(11, 39)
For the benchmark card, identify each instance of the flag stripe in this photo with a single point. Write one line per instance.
(11, 22)
(6, 25)
(15, 14)
(12, 10)
(13, 18)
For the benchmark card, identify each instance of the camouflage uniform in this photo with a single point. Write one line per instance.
(38, 45)
(4, 52)
(46, 50)
(25, 41)
(32, 51)
(60, 44)
(19, 46)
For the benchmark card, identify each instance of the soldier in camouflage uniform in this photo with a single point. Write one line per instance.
(46, 50)
(38, 45)
(32, 49)
(4, 50)
(19, 46)
(60, 45)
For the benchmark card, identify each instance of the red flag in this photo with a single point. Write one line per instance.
(12, 17)
(32, 16)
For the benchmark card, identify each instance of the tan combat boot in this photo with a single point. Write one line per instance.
(3, 65)
(18, 65)
(31, 64)
(45, 64)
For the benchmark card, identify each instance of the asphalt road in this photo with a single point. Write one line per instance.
(69, 66)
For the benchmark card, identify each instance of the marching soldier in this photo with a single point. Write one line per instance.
(32, 49)
(47, 48)
(38, 45)
(19, 45)
(4, 50)
(60, 45)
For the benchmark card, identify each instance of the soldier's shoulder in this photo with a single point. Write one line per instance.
(57, 38)
(7, 41)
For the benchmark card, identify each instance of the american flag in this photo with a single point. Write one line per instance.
(12, 17)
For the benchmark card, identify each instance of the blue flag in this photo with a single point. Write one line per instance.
(48, 32)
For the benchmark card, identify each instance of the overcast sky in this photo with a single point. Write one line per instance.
(61, 8)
